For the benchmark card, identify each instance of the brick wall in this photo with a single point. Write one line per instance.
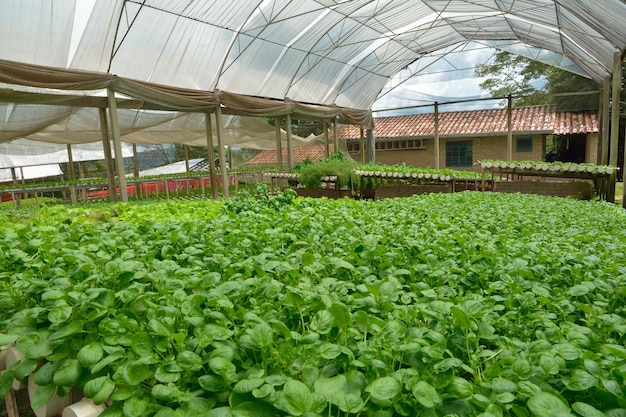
(591, 151)
(496, 148)
(413, 157)
(580, 190)
(483, 148)
(407, 190)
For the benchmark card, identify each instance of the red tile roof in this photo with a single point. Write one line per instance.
(529, 119)
(313, 151)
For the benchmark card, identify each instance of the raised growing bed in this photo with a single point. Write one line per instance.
(565, 179)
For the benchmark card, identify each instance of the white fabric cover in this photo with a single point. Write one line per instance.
(321, 60)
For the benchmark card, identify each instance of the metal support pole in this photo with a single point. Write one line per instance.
(117, 145)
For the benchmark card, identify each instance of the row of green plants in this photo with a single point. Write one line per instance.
(364, 176)
(465, 304)
(90, 181)
(340, 166)
(548, 166)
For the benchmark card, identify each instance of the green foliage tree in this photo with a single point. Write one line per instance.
(533, 83)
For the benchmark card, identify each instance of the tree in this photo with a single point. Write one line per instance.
(510, 74)
(533, 83)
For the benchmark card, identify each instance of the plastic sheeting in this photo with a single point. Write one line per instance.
(29, 173)
(314, 59)
(24, 153)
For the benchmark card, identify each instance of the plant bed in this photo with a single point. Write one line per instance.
(435, 305)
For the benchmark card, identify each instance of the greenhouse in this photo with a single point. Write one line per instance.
(453, 299)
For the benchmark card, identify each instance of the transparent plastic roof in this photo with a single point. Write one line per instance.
(335, 53)
(314, 51)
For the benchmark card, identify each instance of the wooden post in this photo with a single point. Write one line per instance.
(371, 146)
(186, 151)
(326, 140)
(70, 172)
(437, 156)
(117, 145)
(279, 145)
(289, 144)
(623, 177)
(108, 158)
(362, 144)
(211, 154)
(70, 163)
(220, 144)
(603, 139)
(11, 404)
(335, 136)
(136, 168)
(509, 127)
(16, 196)
(135, 161)
(617, 88)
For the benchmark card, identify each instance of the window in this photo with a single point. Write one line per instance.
(354, 146)
(459, 153)
(524, 144)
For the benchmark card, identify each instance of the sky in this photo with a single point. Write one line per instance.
(449, 77)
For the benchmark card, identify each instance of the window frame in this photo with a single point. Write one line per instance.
(454, 159)
(519, 139)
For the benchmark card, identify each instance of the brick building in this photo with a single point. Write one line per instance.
(468, 136)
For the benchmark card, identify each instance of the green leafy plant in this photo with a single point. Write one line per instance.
(459, 304)
(336, 165)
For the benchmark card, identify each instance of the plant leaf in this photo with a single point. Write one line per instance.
(297, 398)
(545, 404)
(43, 394)
(384, 388)
(90, 354)
(586, 410)
(426, 394)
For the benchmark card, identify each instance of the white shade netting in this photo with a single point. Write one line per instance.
(170, 63)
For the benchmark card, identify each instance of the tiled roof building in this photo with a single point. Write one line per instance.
(465, 136)
(489, 122)
(313, 151)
